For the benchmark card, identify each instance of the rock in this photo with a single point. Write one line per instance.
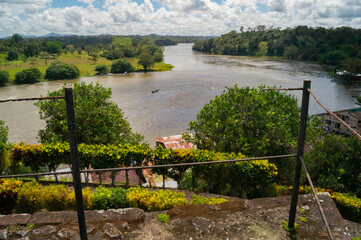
(45, 230)
(111, 231)
(125, 226)
(54, 217)
(178, 224)
(125, 214)
(307, 208)
(66, 233)
(94, 216)
(202, 225)
(21, 233)
(14, 219)
(3, 234)
(24, 238)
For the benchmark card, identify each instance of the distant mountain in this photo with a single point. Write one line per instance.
(52, 34)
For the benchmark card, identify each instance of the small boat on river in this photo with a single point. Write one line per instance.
(154, 91)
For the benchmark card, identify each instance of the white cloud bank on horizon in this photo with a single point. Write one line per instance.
(171, 17)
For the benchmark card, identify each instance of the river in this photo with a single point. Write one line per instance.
(196, 79)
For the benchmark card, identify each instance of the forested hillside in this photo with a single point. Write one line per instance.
(339, 47)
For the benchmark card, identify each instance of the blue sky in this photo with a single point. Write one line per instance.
(170, 17)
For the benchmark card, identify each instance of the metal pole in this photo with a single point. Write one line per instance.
(74, 161)
(300, 149)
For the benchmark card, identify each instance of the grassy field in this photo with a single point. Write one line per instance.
(83, 61)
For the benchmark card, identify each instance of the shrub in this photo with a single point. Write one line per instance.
(334, 162)
(55, 197)
(9, 189)
(4, 77)
(164, 218)
(30, 198)
(102, 69)
(359, 99)
(155, 200)
(87, 199)
(196, 199)
(105, 198)
(29, 75)
(60, 70)
(349, 206)
(3, 146)
(121, 66)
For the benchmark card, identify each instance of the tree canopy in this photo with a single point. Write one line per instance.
(98, 119)
(327, 46)
(60, 70)
(251, 121)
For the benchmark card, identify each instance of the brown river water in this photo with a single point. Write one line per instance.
(196, 79)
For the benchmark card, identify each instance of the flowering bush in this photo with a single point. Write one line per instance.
(196, 199)
(9, 189)
(30, 198)
(87, 199)
(349, 206)
(105, 198)
(155, 200)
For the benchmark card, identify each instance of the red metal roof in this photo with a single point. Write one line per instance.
(175, 142)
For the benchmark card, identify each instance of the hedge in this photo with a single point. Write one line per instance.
(243, 179)
(32, 197)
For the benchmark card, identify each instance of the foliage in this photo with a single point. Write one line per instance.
(29, 75)
(13, 55)
(87, 199)
(55, 196)
(359, 99)
(303, 219)
(121, 66)
(99, 120)
(164, 218)
(106, 198)
(102, 69)
(60, 70)
(348, 205)
(9, 189)
(155, 200)
(50, 156)
(30, 198)
(334, 162)
(4, 77)
(251, 121)
(197, 199)
(146, 59)
(288, 229)
(3, 146)
(328, 46)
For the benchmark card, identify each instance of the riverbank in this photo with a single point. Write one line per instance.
(83, 61)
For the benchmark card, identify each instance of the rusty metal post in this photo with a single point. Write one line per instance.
(300, 150)
(75, 162)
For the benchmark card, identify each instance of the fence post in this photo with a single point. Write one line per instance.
(300, 150)
(74, 161)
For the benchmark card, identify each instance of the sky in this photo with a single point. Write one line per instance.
(170, 17)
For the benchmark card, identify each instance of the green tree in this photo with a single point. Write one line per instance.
(71, 49)
(251, 121)
(28, 75)
(98, 119)
(60, 70)
(13, 55)
(4, 77)
(335, 163)
(102, 69)
(53, 47)
(121, 66)
(146, 59)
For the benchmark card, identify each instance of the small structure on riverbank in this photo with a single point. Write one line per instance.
(351, 116)
(174, 142)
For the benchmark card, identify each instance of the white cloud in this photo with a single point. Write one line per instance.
(181, 17)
